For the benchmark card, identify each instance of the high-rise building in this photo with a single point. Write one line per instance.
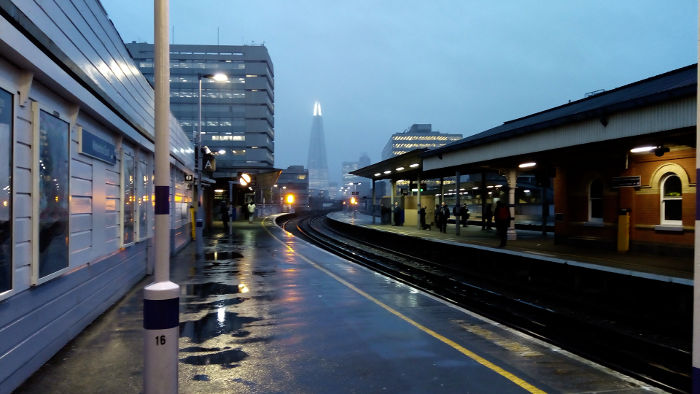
(237, 115)
(354, 183)
(416, 137)
(317, 163)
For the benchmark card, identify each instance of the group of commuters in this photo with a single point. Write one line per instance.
(227, 212)
(501, 216)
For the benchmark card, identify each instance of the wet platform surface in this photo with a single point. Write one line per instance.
(677, 269)
(264, 312)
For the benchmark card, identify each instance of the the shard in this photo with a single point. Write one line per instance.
(317, 163)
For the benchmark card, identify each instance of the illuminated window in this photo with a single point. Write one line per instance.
(128, 199)
(671, 200)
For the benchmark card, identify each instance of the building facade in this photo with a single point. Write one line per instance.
(76, 177)
(416, 137)
(237, 115)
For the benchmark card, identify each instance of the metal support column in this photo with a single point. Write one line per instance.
(418, 206)
(393, 194)
(161, 300)
(374, 202)
(512, 178)
(457, 200)
(442, 190)
(484, 196)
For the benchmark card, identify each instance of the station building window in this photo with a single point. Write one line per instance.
(671, 200)
(128, 199)
(54, 178)
(595, 201)
(5, 191)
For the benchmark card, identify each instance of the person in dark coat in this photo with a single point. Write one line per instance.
(224, 215)
(436, 216)
(502, 216)
(398, 217)
(488, 216)
(445, 214)
(421, 213)
(465, 214)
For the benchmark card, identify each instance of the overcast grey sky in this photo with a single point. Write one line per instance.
(465, 66)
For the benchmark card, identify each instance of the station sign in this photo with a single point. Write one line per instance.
(626, 181)
(91, 145)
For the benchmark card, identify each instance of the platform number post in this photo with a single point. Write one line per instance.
(161, 304)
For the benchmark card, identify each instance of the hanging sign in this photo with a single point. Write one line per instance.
(91, 145)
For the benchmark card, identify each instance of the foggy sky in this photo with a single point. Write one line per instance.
(465, 66)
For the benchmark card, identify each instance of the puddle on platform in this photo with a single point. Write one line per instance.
(203, 378)
(226, 359)
(203, 290)
(194, 308)
(213, 325)
(197, 349)
(222, 255)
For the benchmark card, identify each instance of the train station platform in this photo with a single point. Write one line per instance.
(676, 269)
(263, 311)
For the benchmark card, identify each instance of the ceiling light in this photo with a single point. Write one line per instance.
(414, 165)
(387, 172)
(527, 165)
(399, 169)
(378, 174)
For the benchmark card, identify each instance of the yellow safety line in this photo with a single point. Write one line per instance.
(520, 382)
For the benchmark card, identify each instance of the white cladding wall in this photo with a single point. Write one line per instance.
(37, 318)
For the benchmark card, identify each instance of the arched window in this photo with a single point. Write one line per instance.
(671, 200)
(595, 201)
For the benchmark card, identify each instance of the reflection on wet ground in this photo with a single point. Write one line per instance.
(226, 359)
(213, 325)
(214, 330)
(204, 290)
(222, 255)
(194, 308)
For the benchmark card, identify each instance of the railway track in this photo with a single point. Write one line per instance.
(574, 325)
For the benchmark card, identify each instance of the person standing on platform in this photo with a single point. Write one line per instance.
(251, 211)
(486, 222)
(421, 213)
(224, 215)
(465, 214)
(397, 215)
(445, 211)
(502, 215)
(436, 217)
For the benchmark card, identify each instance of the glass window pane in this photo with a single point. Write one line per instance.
(672, 187)
(129, 199)
(673, 210)
(53, 192)
(5, 191)
(142, 192)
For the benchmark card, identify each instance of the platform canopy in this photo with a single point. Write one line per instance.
(405, 166)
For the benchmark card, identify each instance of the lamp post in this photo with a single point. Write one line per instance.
(219, 77)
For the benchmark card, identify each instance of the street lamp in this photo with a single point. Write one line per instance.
(218, 77)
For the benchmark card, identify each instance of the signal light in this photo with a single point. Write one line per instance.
(289, 199)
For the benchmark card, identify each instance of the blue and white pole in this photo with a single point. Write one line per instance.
(161, 298)
(696, 262)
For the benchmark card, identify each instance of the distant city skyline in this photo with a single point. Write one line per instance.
(462, 66)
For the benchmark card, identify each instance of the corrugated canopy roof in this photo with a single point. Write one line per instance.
(677, 83)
